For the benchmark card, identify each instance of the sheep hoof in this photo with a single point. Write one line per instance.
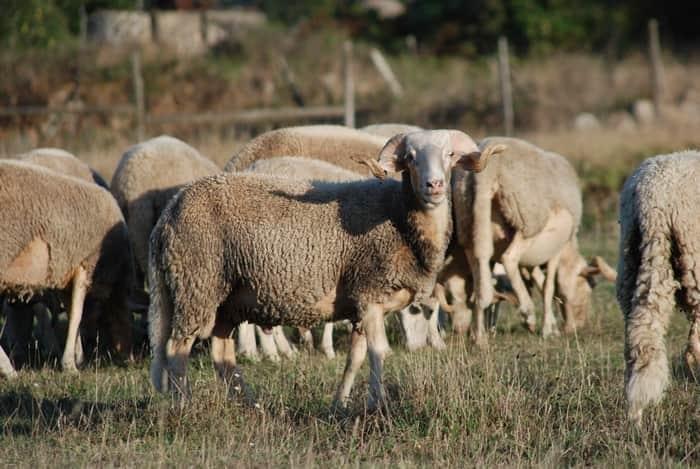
(69, 367)
(338, 409)
(329, 353)
(692, 361)
(550, 331)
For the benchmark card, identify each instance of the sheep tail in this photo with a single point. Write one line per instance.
(647, 296)
(160, 312)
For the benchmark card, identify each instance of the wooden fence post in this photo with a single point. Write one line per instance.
(138, 95)
(386, 72)
(506, 90)
(658, 82)
(349, 85)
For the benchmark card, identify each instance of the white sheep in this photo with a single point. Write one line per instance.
(659, 267)
(523, 210)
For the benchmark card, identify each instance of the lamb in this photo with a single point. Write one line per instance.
(46, 245)
(523, 210)
(148, 175)
(335, 144)
(316, 252)
(659, 267)
(390, 129)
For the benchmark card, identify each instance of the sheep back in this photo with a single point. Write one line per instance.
(299, 167)
(527, 183)
(63, 162)
(148, 175)
(335, 144)
(388, 130)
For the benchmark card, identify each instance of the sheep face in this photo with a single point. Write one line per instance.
(428, 158)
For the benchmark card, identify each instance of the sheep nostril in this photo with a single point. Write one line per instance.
(435, 184)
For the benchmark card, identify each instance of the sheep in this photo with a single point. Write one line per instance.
(390, 129)
(19, 316)
(63, 162)
(419, 330)
(274, 251)
(148, 175)
(659, 267)
(523, 210)
(335, 144)
(47, 245)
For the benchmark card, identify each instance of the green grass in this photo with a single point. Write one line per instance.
(522, 401)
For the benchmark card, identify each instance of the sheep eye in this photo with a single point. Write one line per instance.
(409, 157)
(451, 154)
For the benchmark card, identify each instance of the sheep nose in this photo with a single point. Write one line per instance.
(435, 183)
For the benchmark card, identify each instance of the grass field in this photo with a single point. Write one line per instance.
(520, 402)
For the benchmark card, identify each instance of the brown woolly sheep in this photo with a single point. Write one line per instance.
(270, 250)
(659, 267)
(47, 245)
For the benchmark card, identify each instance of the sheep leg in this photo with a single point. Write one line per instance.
(46, 334)
(327, 340)
(481, 272)
(177, 353)
(356, 355)
(510, 260)
(6, 368)
(549, 323)
(79, 354)
(378, 347)
(414, 327)
(307, 338)
(74, 316)
(247, 346)
(223, 354)
(282, 343)
(492, 316)
(461, 315)
(692, 353)
(18, 330)
(267, 344)
(435, 339)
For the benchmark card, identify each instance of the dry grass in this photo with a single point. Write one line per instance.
(521, 402)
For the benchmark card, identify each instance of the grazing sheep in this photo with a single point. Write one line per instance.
(521, 211)
(48, 245)
(20, 315)
(62, 162)
(390, 129)
(659, 267)
(336, 144)
(272, 251)
(148, 175)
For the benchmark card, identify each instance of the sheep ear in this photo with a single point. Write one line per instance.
(466, 152)
(391, 158)
(598, 265)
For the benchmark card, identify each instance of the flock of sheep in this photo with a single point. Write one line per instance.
(311, 225)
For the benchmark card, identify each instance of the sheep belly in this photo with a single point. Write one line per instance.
(30, 266)
(545, 244)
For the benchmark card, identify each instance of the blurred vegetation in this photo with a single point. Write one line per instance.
(438, 26)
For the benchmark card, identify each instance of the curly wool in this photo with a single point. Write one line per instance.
(299, 167)
(659, 254)
(335, 144)
(148, 175)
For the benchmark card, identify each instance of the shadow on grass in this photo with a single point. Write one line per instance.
(24, 413)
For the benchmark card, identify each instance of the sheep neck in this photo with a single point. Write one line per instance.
(428, 230)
